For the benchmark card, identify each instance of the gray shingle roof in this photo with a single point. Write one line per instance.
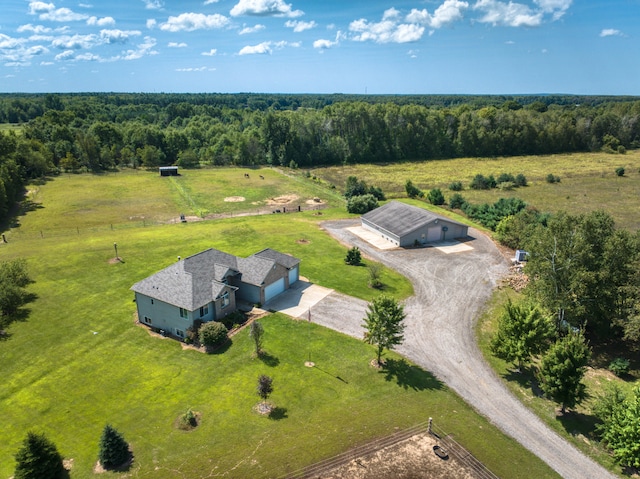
(400, 218)
(285, 260)
(198, 279)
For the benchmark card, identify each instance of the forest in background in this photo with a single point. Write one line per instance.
(106, 131)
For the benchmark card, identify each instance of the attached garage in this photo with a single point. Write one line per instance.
(294, 275)
(407, 225)
(274, 289)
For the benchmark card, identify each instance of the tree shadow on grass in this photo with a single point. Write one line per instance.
(525, 378)
(268, 359)
(278, 413)
(576, 423)
(221, 348)
(409, 376)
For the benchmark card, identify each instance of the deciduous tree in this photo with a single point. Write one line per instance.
(384, 324)
(562, 369)
(524, 330)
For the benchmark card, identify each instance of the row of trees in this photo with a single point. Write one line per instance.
(89, 133)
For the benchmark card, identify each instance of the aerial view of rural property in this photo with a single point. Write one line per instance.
(287, 239)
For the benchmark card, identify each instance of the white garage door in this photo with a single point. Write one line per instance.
(273, 290)
(293, 275)
(434, 234)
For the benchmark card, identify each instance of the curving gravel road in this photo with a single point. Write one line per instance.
(450, 291)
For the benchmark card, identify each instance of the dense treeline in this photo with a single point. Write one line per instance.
(95, 132)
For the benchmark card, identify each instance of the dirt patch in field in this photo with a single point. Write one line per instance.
(413, 458)
(234, 199)
(282, 200)
(302, 241)
(315, 201)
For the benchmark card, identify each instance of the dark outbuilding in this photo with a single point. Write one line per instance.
(168, 171)
(406, 225)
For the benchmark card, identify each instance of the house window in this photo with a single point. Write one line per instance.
(147, 320)
(184, 313)
(152, 301)
(204, 310)
(225, 299)
(180, 333)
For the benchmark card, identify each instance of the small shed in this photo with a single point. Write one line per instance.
(168, 171)
(407, 225)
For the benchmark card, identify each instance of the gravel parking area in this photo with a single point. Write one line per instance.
(450, 292)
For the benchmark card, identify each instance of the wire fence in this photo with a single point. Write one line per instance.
(445, 441)
(53, 233)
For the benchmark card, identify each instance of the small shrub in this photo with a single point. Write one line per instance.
(506, 177)
(412, 190)
(456, 186)
(361, 204)
(354, 257)
(213, 334)
(233, 320)
(188, 420)
(621, 149)
(377, 192)
(551, 178)
(436, 197)
(620, 171)
(520, 180)
(456, 201)
(375, 270)
(619, 366)
(480, 182)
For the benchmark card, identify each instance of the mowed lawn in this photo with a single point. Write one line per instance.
(587, 181)
(79, 361)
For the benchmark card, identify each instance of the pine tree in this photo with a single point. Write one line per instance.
(114, 450)
(354, 257)
(38, 459)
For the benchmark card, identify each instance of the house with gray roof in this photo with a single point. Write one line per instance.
(407, 225)
(205, 287)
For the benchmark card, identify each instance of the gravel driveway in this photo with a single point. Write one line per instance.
(450, 291)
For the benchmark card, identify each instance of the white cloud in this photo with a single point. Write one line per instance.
(389, 30)
(39, 29)
(264, 8)
(611, 32)
(153, 4)
(66, 55)
(118, 36)
(256, 28)
(62, 15)
(323, 44)
(177, 45)
(101, 22)
(413, 53)
(151, 23)
(36, 8)
(209, 2)
(189, 22)
(450, 11)
(75, 42)
(210, 53)
(88, 57)
(300, 26)
(145, 48)
(555, 7)
(508, 14)
(259, 49)
(9, 43)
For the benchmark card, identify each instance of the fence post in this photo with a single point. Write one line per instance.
(430, 424)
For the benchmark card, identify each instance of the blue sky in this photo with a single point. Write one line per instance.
(321, 46)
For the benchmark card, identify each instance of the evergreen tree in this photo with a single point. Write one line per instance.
(114, 450)
(38, 459)
(383, 324)
(354, 257)
(435, 197)
(563, 368)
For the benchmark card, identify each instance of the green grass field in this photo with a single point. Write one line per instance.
(79, 361)
(588, 181)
